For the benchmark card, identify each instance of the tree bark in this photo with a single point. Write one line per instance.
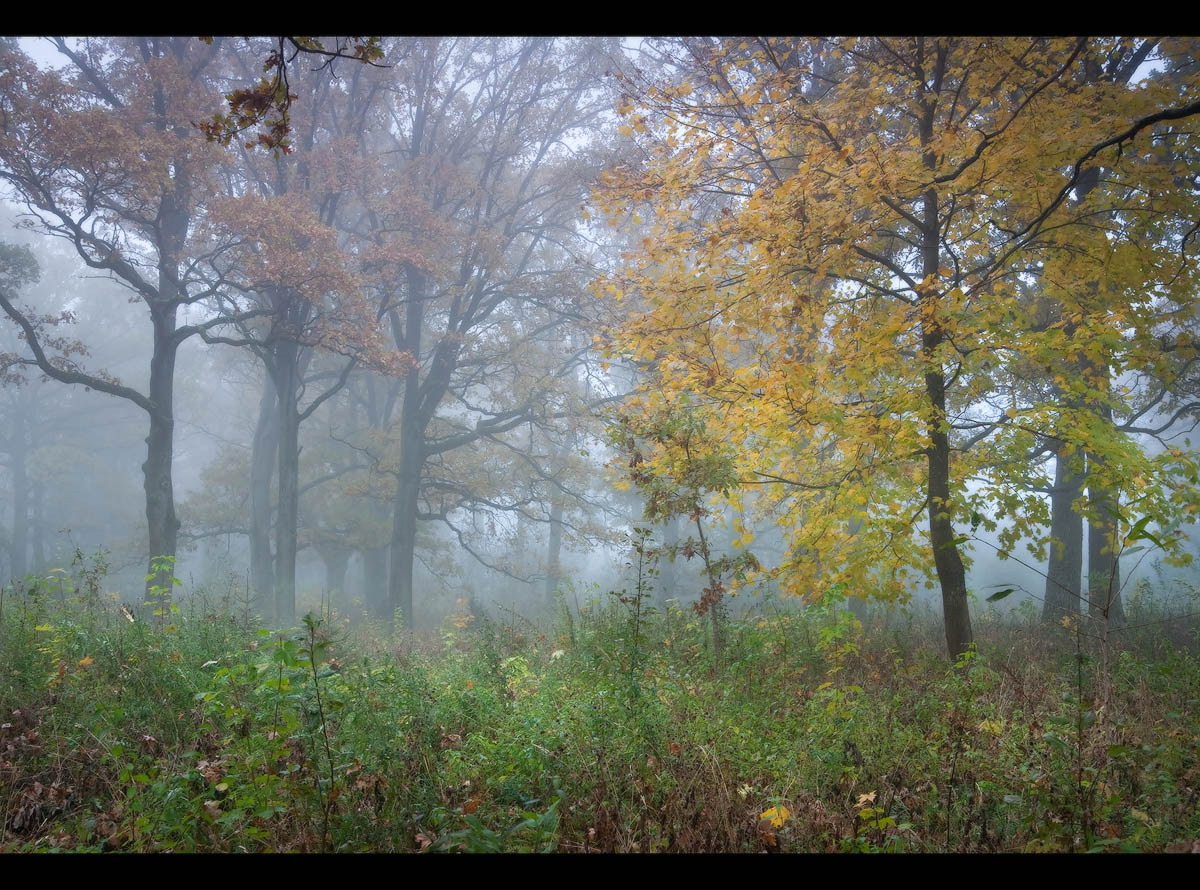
(161, 520)
(1063, 574)
(947, 561)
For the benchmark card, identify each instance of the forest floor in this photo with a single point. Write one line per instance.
(607, 730)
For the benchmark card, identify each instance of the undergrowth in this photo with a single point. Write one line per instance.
(606, 731)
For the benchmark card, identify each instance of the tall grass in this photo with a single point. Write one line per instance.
(601, 729)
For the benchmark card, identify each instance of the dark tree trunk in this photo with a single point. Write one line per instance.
(161, 520)
(946, 559)
(1066, 537)
(173, 220)
(262, 470)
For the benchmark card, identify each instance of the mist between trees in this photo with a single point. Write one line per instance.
(860, 317)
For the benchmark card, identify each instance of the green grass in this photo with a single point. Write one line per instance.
(607, 732)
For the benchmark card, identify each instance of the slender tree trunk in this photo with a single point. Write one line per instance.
(951, 574)
(262, 470)
(1066, 537)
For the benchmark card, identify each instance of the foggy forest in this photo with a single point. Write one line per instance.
(599, 445)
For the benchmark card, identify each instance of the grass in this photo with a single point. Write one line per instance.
(606, 731)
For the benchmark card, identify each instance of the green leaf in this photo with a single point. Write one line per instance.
(955, 543)
(999, 595)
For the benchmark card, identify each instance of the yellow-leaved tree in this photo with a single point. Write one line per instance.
(887, 272)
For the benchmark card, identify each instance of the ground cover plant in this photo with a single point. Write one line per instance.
(603, 730)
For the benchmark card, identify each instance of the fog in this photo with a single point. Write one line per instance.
(375, 370)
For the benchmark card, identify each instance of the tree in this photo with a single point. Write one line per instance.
(106, 158)
(467, 231)
(849, 311)
(301, 298)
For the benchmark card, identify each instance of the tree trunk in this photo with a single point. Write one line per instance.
(161, 520)
(946, 559)
(1066, 537)
(262, 470)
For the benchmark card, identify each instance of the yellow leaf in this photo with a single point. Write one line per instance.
(777, 815)
(84, 662)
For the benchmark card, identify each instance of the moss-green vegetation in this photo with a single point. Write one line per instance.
(604, 732)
